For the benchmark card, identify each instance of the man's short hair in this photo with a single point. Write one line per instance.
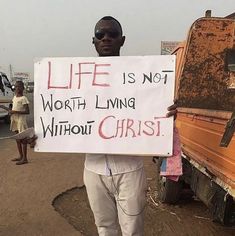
(112, 18)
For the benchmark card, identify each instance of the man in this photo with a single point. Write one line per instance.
(116, 185)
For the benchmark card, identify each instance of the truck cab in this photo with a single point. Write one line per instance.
(6, 95)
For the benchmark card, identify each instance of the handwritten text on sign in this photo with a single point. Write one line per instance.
(104, 105)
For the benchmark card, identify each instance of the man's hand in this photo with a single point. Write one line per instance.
(172, 110)
(32, 141)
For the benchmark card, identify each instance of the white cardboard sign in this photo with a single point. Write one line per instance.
(114, 105)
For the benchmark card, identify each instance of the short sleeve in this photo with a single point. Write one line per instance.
(25, 100)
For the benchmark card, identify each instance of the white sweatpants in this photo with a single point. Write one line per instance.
(118, 198)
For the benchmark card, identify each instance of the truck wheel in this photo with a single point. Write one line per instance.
(169, 190)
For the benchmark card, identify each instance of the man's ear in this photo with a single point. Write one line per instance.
(123, 40)
(93, 40)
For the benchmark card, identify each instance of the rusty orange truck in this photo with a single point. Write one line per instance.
(205, 88)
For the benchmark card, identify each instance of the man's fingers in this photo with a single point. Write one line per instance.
(32, 141)
(172, 107)
(171, 113)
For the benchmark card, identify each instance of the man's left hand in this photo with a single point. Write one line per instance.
(172, 110)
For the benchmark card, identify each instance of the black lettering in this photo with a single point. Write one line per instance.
(157, 78)
(66, 105)
(73, 130)
(97, 104)
(58, 105)
(49, 128)
(47, 104)
(148, 78)
(130, 79)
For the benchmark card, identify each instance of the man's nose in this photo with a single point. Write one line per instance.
(106, 37)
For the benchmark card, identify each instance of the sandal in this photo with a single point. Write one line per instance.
(21, 162)
(16, 159)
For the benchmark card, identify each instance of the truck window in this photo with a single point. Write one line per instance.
(1, 85)
(230, 63)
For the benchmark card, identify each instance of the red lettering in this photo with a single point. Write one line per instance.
(130, 127)
(149, 125)
(158, 125)
(49, 86)
(80, 73)
(129, 124)
(95, 83)
(101, 133)
(139, 127)
(120, 127)
(71, 75)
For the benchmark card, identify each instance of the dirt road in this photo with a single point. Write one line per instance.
(188, 218)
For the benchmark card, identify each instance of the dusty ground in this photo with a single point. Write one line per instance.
(27, 192)
(188, 218)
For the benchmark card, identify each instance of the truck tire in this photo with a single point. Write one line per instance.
(169, 190)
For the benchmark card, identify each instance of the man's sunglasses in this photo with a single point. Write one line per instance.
(111, 34)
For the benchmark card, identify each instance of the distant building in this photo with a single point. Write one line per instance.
(168, 46)
(23, 76)
(29, 86)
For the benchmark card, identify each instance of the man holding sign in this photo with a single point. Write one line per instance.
(116, 184)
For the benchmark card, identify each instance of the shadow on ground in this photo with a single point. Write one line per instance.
(73, 205)
(190, 217)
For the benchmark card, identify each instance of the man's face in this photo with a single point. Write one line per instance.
(108, 38)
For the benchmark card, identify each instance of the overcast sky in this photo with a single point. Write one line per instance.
(41, 28)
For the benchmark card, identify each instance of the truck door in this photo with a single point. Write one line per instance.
(2, 90)
(6, 95)
(7, 88)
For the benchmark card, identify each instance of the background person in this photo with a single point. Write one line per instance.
(18, 114)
